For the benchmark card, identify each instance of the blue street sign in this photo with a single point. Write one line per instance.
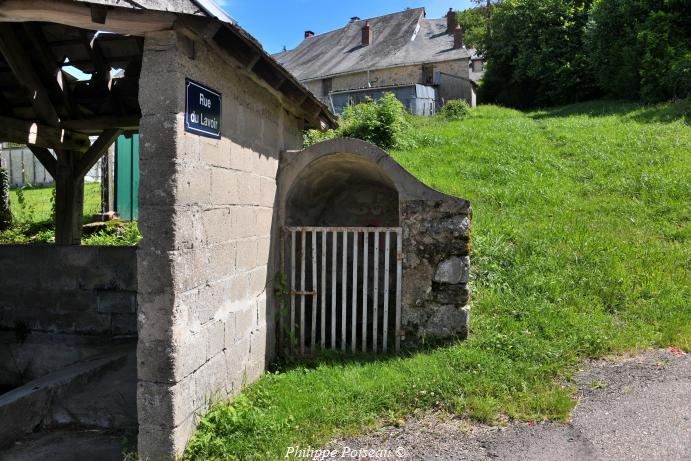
(202, 110)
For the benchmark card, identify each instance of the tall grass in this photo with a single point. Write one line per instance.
(581, 249)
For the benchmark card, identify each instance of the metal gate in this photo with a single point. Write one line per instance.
(345, 288)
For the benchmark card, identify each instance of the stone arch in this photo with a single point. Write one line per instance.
(349, 182)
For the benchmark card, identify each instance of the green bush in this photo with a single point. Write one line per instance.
(381, 122)
(455, 109)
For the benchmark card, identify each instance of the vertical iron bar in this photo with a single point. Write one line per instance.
(344, 291)
(323, 303)
(399, 270)
(292, 289)
(302, 296)
(375, 293)
(365, 244)
(315, 298)
(334, 258)
(385, 320)
(353, 325)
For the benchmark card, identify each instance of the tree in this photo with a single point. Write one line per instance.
(474, 24)
(5, 212)
(536, 54)
(641, 48)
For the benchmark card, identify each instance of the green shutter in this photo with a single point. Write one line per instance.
(127, 177)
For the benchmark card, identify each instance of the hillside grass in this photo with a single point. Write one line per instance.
(580, 249)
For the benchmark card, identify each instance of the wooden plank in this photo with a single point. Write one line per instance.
(96, 151)
(323, 300)
(118, 20)
(314, 288)
(399, 271)
(302, 296)
(283, 269)
(334, 257)
(353, 326)
(365, 256)
(39, 134)
(385, 320)
(375, 293)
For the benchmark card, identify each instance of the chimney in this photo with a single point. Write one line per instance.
(458, 38)
(366, 34)
(450, 21)
(309, 33)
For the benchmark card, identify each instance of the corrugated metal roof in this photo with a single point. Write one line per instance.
(396, 41)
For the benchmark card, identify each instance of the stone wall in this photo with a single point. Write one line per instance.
(436, 268)
(62, 303)
(207, 218)
(450, 87)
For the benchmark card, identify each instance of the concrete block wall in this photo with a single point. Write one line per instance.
(66, 303)
(206, 323)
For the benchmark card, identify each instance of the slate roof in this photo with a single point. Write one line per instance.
(402, 38)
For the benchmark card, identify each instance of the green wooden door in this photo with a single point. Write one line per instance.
(127, 177)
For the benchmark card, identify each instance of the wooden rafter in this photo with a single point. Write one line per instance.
(96, 151)
(26, 75)
(46, 158)
(51, 66)
(98, 124)
(118, 20)
(41, 135)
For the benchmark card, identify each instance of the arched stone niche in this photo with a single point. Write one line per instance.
(351, 183)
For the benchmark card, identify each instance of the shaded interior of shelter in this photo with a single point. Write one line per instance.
(68, 322)
(332, 193)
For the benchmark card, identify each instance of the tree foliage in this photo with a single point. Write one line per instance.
(547, 52)
(641, 48)
(536, 54)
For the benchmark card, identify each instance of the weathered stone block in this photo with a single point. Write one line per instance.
(453, 270)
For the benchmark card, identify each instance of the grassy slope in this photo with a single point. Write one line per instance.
(38, 203)
(580, 234)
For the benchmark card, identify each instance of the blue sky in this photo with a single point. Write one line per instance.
(276, 23)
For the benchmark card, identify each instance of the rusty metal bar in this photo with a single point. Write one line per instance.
(344, 291)
(323, 300)
(353, 326)
(365, 261)
(375, 294)
(333, 288)
(302, 287)
(315, 299)
(385, 321)
(399, 269)
(292, 288)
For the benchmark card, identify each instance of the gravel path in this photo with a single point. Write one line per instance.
(636, 408)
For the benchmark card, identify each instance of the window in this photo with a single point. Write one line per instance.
(327, 84)
(427, 74)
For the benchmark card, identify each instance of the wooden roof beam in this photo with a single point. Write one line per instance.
(41, 135)
(117, 20)
(24, 72)
(96, 151)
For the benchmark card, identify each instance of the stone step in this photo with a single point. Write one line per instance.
(31, 405)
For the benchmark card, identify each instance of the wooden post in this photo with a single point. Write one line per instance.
(69, 200)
